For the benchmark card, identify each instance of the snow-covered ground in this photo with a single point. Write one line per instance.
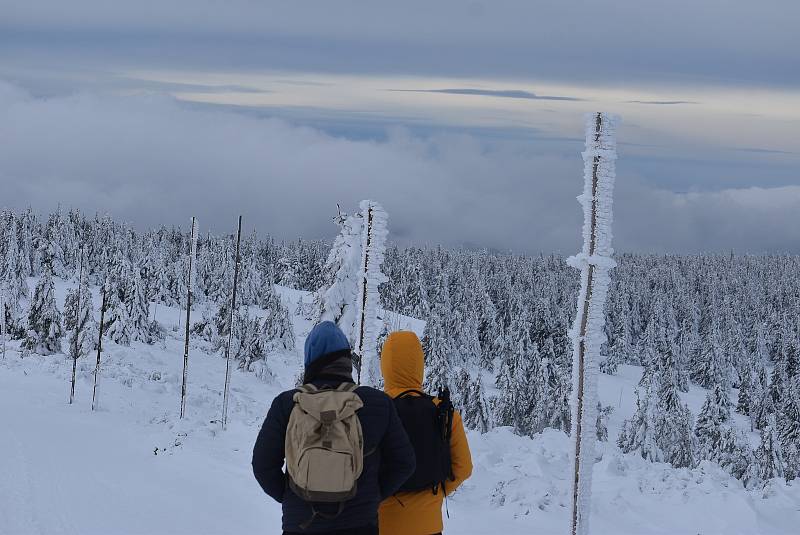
(133, 467)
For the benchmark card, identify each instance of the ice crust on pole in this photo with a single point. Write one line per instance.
(374, 232)
(587, 334)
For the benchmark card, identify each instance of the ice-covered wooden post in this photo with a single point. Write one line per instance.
(189, 283)
(587, 333)
(373, 247)
(232, 313)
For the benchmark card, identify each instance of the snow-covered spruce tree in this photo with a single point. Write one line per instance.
(336, 300)
(44, 319)
(555, 409)
(14, 270)
(769, 456)
(118, 326)
(520, 392)
(788, 427)
(747, 388)
(83, 339)
(414, 294)
(713, 417)
(350, 297)
(252, 285)
(247, 345)
(277, 328)
(475, 409)
(705, 366)
(719, 440)
(289, 268)
(222, 325)
(141, 328)
(762, 405)
(205, 327)
(437, 345)
(661, 427)
(638, 433)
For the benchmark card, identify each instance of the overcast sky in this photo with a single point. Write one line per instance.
(465, 119)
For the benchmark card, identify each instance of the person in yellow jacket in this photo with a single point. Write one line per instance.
(420, 512)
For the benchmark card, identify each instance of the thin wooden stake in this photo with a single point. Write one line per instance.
(192, 251)
(77, 331)
(99, 344)
(225, 396)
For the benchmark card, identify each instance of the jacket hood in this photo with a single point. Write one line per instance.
(402, 363)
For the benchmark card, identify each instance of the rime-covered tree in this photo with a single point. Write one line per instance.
(475, 409)
(247, 344)
(713, 417)
(718, 439)
(139, 309)
(769, 456)
(556, 380)
(437, 345)
(520, 392)
(44, 318)
(788, 427)
(336, 300)
(762, 406)
(82, 335)
(118, 325)
(661, 427)
(277, 328)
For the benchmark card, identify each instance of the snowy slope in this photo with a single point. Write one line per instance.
(133, 467)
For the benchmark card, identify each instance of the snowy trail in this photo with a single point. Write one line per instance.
(68, 472)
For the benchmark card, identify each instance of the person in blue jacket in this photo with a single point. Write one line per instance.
(388, 454)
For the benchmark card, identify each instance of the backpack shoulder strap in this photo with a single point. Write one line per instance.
(346, 387)
(308, 389)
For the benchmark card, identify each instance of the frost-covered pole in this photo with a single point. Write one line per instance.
(225, 395)
(374, 232)
(99, 343)
(189, 279)
(77, 330)
(587, 332)
(3, 321)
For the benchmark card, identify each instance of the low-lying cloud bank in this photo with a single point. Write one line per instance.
(153, 160)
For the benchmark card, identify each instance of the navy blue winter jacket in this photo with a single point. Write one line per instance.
(388, 462)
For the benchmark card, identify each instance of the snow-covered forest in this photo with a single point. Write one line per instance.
(495, 332)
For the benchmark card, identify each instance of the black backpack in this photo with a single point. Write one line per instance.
(429, 428)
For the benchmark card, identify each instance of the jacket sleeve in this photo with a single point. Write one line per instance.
(459, 454)
(397, 456)
(269, 450)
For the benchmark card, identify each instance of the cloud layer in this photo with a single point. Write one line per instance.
(152, 160)
(619, 42)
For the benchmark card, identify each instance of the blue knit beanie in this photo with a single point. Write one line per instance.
(325, 338)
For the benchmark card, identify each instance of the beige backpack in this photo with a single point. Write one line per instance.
(325, 444)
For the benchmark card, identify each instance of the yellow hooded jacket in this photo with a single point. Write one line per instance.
(417, 513)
